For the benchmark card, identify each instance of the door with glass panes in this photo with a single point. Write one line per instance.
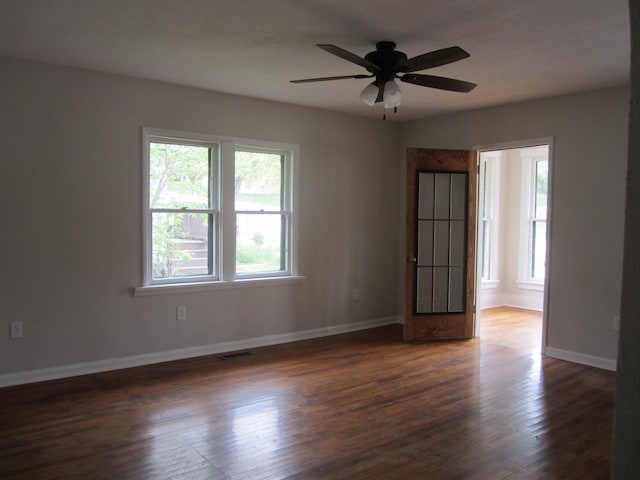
(440, 249)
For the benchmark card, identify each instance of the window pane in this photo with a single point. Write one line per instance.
(425, 196)
(458, 195)
(441, 246)
(457, 243)
(486, 250)
(483, 201)
(425, 242)
(178, 176)
(258, 181)
(180, 244)
(539, 250)
(441, 290)
(542, 176)
(442, 195)
(424, 289)
(456, 289)
(260, 242)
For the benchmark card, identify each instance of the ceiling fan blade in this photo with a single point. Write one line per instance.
(442, 83)
(434, 59)
(348, 56)
(323, 79)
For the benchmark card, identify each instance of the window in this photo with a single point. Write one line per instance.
(535, 170)
(262, 212)
(182, 212)
(538, 220)
(488, 225)
(191, 180)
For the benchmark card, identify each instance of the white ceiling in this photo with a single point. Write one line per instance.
(520, 49)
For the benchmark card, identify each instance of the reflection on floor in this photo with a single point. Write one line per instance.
(362, 405)
(512, 327)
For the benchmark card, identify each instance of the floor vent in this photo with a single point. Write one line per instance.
(229, 356)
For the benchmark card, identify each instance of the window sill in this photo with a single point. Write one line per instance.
(539, 286)
(172, 288)
(489, 284)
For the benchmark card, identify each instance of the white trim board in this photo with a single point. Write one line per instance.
(507, 300)
(581, 358)
(98, 366)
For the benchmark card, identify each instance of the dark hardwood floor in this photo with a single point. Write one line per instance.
(362, 405)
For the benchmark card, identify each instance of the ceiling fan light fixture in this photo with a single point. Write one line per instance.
(392, 94)
(386, 64)
(370, 94)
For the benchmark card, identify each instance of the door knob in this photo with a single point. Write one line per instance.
(412, 259)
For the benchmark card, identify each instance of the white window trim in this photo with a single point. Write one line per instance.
(225, 243)
(528, 175)
(530, 285)
(177, 138)
(490, 284)
(172, 288)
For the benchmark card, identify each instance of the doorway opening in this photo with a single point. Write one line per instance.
(513, 255)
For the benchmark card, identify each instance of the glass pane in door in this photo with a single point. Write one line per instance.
(441, 242)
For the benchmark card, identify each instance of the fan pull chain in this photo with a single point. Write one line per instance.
(384, 114)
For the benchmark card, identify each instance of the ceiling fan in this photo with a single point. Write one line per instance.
(385, 64)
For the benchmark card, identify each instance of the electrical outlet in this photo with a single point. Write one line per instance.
(16, 329)
(181, 313)
(355, 294)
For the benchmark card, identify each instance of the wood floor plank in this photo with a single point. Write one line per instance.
(361, 405)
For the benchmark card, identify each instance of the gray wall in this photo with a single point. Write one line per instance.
(70, 188)
(70, 203)
(590, 137)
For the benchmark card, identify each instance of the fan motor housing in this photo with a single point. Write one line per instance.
(387, 58)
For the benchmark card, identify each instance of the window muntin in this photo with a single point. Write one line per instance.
(190, 179)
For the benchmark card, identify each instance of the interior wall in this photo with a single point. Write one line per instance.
(71, 207)
(71, 185)
(590, 142)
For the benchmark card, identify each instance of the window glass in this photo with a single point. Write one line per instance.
(258, 181)
(487, 223)
(538, 250)
(259, 243)
(541, 181)
(261, 216)
(180, 244)
(178, 176)
(536, 163)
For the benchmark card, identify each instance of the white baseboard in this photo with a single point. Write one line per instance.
(528, 302)
(581, 358)
(66, 371)
(488, 299)
(511, 300)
